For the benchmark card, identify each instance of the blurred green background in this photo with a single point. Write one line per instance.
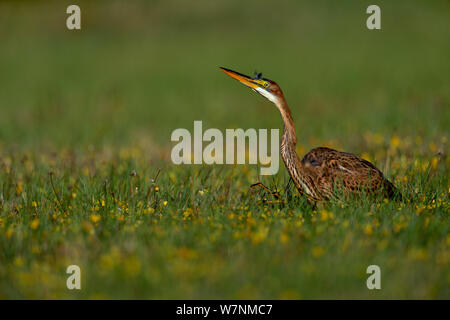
(92, 106)
(140, 69)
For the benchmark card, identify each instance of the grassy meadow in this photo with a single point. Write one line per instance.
(85, 170)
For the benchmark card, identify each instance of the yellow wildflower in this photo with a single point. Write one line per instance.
(417, 254)
(434, 162)
(325, 215)
(368, 229)
(18, 261)
(95, 218)
(432, 146)
(188, 213)
(34, 224)
(284, 238)
(366, 156)
(395, 141)
(9, 233)
(19, 189)
(260, 235)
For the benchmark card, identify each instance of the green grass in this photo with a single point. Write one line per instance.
(82, 110)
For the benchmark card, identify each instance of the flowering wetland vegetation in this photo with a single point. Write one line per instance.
(86, 177)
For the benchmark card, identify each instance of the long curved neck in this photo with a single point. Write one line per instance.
(289, 138)
(299, 174)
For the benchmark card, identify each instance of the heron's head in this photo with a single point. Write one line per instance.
(265, 87)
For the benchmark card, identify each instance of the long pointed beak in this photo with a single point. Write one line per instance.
(242, 78)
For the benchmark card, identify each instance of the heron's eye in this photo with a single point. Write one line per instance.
(266, 84)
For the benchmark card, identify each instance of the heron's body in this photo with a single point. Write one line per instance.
(323, 173)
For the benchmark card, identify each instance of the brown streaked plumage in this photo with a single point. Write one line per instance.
(323, 172)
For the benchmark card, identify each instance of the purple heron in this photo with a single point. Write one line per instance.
(323, 172)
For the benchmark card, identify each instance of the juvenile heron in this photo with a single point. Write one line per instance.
(323, 172)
